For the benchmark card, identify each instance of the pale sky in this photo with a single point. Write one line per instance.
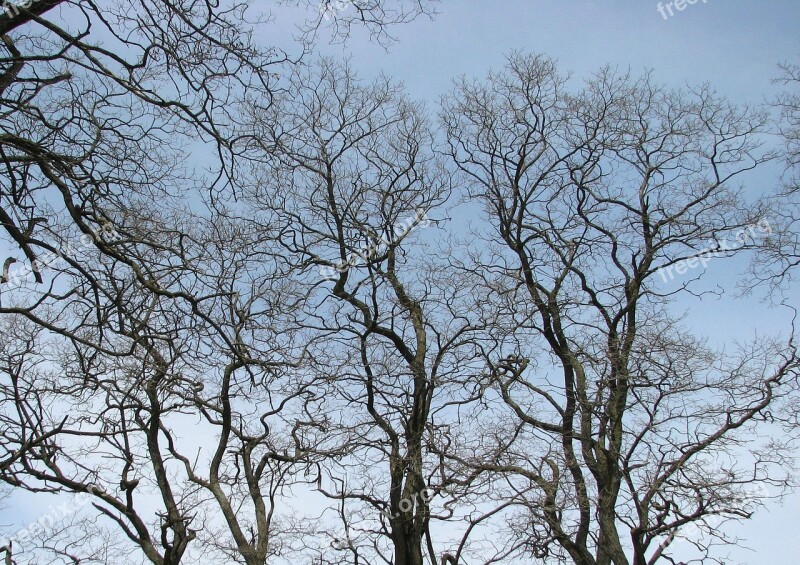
(735, 45)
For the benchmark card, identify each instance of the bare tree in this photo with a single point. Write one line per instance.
(789, 104)
(340, 17)
(192, 350)
(781, 255)
(626, 431)
(350, 168)
(134, 318)
(111, 407)
(89, 137)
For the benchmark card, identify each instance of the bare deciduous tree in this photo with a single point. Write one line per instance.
(626, 430)
(350, 168)
(182, 321)
(780, 257)
(286, 354)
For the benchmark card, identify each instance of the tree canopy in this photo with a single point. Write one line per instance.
(243, 320)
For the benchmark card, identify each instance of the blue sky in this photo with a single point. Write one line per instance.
(733, 44)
